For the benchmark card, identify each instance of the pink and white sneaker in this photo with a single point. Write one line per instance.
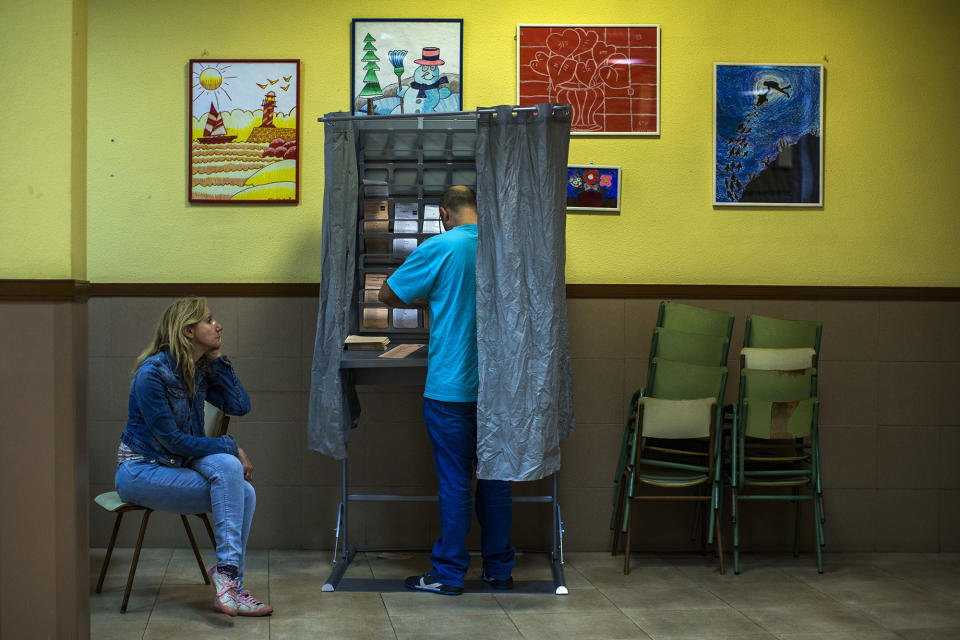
(247, 605)
(226, 588)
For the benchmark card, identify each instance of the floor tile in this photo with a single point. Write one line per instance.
(581, 600)
(423, 604)
(695, 623)
(917, 614)
(461, 627)
(577, 626)
(810, 618)
(658, 598)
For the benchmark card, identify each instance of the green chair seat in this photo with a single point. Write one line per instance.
(666, 477)
(111, 502)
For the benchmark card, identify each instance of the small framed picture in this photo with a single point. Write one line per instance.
(608, 73)
(593, 188)
(243, 131)
(406, 66)
(768, 135)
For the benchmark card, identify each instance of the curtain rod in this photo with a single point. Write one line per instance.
(556, 107)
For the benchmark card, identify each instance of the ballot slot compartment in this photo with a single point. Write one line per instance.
(404, 165)
(376, 317)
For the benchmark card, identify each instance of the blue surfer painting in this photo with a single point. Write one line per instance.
(768, 124)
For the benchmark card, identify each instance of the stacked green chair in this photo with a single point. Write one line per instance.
(685, 335)
(678, 431)
(775, 452)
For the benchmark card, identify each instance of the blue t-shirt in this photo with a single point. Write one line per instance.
(443, 269)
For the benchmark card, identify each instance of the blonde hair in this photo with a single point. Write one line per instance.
(169, 335)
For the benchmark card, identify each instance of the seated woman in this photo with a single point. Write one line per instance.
(166, 462)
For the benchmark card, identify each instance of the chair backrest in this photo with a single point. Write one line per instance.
(777, 386)
(685, 317)
(768, 333)
(682, 381)
(693, 348)
(674, 419)
(215, 421)
(778, 359)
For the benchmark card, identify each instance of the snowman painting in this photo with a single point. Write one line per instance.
(425, 93)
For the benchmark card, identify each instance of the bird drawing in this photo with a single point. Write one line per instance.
(273, 81)
(262, 86)
(287, 78)
(285, 88)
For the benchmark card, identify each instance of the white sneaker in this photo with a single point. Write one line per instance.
(226, 588)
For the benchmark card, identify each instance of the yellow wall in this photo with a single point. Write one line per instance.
(892, 96)
(40, 236)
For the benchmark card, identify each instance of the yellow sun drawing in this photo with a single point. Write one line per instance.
(210, 81)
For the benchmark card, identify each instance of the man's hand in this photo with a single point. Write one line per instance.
(247, 465)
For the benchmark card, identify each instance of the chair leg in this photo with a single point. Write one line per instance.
(136, 559)
(716, 521)
(618, 517)
(736, 534)
(106, 558)
(819, 535)
(796, 531)
(626, 550)
(196, 551)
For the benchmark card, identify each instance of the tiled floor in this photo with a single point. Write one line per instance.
(859, 596)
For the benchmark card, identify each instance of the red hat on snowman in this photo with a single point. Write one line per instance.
(431, 57)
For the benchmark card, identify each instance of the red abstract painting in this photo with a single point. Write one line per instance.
(609, 73)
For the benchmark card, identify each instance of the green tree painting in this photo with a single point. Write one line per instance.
(371, 86)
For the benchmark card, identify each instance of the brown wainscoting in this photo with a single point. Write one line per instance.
(34, 290)
(44, 290)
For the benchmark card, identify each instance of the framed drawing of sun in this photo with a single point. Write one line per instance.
(243, 134)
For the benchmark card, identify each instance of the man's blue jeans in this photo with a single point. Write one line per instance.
(211, 484)
(453, 431)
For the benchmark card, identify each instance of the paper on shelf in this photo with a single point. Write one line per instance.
(405, 319)
(407, 210)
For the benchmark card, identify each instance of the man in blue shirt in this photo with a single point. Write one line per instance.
(441, 273)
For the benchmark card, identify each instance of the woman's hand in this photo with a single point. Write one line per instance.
(247, 465)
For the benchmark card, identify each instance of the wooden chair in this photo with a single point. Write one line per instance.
(215, 425)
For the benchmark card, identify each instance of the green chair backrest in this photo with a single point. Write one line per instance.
(683, 381)
(774, 420)
(767, 332)
(694, 348)
(685, 317)
(777, 386)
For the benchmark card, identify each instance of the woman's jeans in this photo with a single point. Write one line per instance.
(453, 431)
(211, 484)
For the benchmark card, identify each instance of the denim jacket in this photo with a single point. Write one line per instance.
(166, 424)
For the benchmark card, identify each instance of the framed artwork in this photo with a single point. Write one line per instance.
(244, 123)
(406, 66)
(593, 188)
(768, 135)
(609, 73)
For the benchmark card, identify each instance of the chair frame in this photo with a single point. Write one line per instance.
(628, 482)
(130, 506)
(739, 475)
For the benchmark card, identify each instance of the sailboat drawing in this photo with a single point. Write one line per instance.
(214, 131)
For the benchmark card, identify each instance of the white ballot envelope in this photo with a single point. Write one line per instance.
(431, 212)
(405, 318)
(405, 210)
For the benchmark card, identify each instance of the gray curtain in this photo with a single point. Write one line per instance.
(334, 408)
(525, 404)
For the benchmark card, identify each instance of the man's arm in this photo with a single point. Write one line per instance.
(391, 299)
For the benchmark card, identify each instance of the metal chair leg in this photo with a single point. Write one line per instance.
(196, 551)
(626, 551)
(106, 558)
(716, 520)
(136, 559)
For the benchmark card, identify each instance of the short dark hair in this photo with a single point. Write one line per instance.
(456, 198)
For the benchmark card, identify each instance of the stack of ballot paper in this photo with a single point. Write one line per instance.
(367, 343)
